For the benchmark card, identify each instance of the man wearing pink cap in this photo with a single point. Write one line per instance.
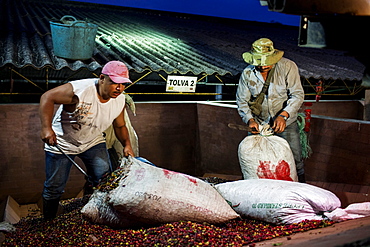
(87, 108)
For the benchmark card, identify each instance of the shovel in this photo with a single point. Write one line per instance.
(88, 178)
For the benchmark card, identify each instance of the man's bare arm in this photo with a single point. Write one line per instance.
(59, 95)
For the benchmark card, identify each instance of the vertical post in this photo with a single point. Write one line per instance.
(367, 105)
(11, 81)
(219, 90)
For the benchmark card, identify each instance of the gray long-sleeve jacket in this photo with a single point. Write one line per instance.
(285, 92)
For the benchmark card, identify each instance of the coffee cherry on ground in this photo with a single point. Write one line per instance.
(71, 229)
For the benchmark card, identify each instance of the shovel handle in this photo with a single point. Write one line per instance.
(240, 127)
(73, 162)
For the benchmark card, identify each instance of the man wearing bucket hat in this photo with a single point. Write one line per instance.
(87, 108)
(270, 92)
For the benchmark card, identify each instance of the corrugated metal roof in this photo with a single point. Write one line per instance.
(157, 41)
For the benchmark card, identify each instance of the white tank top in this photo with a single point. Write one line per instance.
(80, 130)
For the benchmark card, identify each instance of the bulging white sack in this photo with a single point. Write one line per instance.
(278, 201)
(152, 195)
(97, 210)
(352, 211)
(266, 156)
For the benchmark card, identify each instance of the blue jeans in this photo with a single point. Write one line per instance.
(58, 167)
(291, 135)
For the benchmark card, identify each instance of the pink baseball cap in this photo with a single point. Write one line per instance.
(117, 71)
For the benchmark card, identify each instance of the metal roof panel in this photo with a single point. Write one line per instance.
(156, 41)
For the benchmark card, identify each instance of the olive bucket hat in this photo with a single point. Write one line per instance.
(262, 53)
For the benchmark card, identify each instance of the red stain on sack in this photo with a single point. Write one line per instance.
(193, 180)
(167, 173)
(282, 171)
(266, 170)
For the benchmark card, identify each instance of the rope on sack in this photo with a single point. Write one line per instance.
(306, 149)
(265, 130)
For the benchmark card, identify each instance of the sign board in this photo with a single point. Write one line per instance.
(181, 83)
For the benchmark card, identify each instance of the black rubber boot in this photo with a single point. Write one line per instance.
(50, 208)
(2, 238)
(302, 178)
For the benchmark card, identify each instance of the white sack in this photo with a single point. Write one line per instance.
(156, 195)
(352, 211)
(152, 195)
(266, 156)
(6, 227)
(112, 141)
(99, 211)
(278, 201)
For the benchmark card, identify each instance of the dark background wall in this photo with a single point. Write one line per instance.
(341, 151)
(218, 143)
(192, 138)
(168, 134)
